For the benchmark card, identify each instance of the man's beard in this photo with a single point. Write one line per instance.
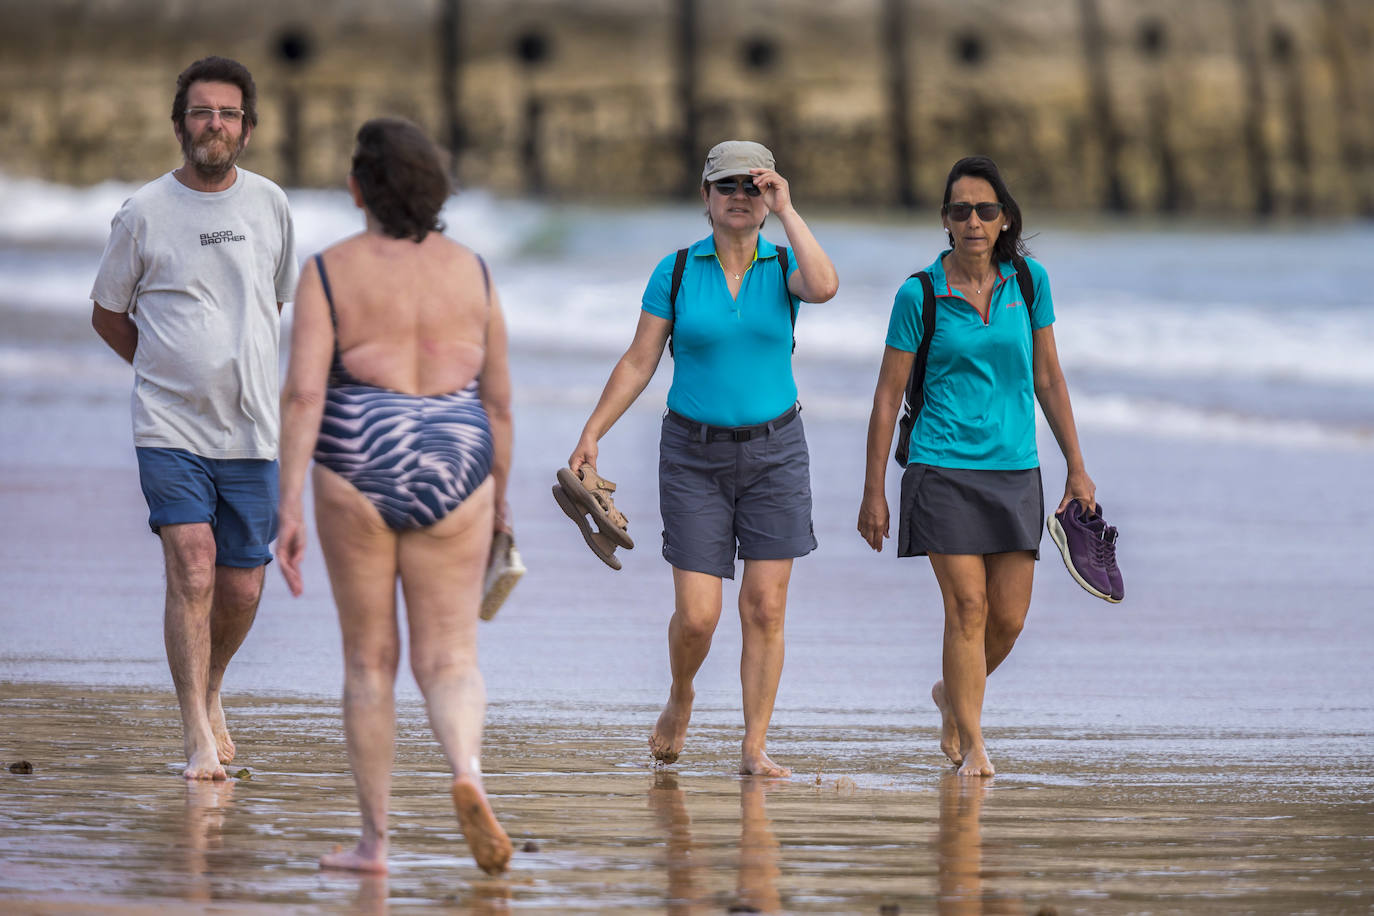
(213, 156)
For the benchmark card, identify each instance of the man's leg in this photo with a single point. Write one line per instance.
(189, 554)
(697, 600)
(245, 525)
(235, 606)
(762, 607)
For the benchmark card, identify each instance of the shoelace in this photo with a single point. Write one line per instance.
(1104, 548)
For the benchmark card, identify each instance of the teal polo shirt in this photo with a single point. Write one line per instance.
(980, 389)
(732, 357)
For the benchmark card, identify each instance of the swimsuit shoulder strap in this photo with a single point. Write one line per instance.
(328, 296)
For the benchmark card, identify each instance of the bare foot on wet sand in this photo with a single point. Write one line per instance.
(359, 858)
(670, 732)
(976, 763)
(758, 764)
(489, 844)
(949, 729)
(204, 765)
(223, 743)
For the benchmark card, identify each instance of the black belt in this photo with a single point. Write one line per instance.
(706, 433)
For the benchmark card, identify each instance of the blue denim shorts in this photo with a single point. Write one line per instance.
(716, 494)
(236, 497)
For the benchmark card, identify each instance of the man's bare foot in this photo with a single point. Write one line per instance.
(223, 743)
(949, 729)
(758, 764)
(670, 732)
(204, 765)
(489, 844)
(976, 763)
(358, 858)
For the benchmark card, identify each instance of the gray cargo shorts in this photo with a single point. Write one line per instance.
(717, 494)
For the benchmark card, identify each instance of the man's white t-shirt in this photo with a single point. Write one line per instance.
(201, 275)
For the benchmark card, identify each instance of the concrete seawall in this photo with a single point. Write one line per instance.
(1210, 106)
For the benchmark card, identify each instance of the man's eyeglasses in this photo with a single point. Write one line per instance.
(728, 186)
(988, 210)
(227, 115)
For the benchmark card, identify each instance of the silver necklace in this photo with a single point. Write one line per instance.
(981, 283)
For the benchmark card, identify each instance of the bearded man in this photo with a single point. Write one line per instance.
(189, 292)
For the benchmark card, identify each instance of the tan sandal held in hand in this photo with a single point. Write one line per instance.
(587, 501)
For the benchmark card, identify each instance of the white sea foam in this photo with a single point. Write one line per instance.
(1149, 313)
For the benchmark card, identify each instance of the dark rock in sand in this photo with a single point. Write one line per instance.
(22, 768)
(530, 846)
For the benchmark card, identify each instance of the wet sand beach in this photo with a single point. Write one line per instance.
(1106, 824)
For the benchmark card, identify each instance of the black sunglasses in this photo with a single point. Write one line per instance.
(988, 210)
(728, 186)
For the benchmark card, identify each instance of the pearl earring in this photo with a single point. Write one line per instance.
(1004, 228)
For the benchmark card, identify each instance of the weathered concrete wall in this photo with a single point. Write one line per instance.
(1231, 106)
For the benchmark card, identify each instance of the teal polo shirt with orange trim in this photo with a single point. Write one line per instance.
(979, 408)
(732, 357)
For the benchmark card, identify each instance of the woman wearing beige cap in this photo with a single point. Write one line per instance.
(734, 474)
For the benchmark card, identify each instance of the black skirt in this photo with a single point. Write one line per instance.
(962, 511)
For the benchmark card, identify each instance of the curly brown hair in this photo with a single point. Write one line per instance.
(401, 175)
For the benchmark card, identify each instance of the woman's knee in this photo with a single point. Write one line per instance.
(966, 613)
(373, 665)
(433, 667)
(763, 610)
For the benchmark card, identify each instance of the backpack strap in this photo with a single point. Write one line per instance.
(915, 396)
(679, 266)
(791, 309)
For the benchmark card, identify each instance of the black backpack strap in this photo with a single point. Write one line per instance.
(786, 266)
(679, 266)
(915, 397)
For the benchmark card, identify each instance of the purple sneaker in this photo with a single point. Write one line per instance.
(1088, 545)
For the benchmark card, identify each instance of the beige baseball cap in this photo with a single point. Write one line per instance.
(735, 157)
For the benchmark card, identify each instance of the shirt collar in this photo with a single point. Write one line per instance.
(938, 279)
(707, 248)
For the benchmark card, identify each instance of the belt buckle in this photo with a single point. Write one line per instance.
(743, 434)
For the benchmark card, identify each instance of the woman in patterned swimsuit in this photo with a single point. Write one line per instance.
(399, 386)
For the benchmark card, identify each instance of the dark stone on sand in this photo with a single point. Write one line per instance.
(889, 909)
(1047, 910)
(743, 908)
(21, 768)
(530, 846)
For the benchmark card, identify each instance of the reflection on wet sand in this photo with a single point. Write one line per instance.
(207, 803)
(959, 851)
(669, 805)
(756, 885)
(758, 850)
(104, 823)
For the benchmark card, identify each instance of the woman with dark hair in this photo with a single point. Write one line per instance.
(399, 386)
(971, 493)
(733, 470)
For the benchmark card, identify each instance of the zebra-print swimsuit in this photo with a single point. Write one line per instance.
(415, 457)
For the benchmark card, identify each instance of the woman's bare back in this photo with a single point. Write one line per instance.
(412, 316)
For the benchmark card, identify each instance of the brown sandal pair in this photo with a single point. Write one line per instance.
(586, 499)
